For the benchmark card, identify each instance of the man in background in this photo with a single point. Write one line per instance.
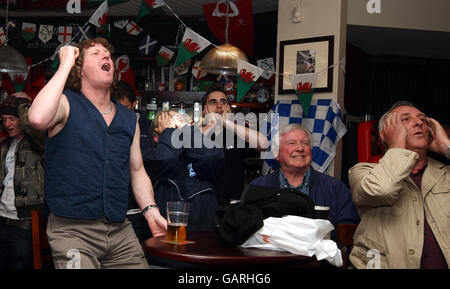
(22, 175)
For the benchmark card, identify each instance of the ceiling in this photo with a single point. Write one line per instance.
(373, 40)
(405, 42)
(131, 8)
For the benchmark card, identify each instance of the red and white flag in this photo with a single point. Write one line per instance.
(241, 25)
(100, 16)
(133, 28)
(196, 71)
(64, 34)
(2, 36)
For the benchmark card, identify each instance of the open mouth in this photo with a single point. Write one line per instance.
(106, 67)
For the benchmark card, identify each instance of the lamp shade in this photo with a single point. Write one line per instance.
(222, 60)
(12, 60)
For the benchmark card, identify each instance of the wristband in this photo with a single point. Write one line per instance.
(148, 208)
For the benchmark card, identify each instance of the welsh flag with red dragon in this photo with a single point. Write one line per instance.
(247, 75)
(192, 44)
(304, 89)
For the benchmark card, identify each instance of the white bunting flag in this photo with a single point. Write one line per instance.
(267, 65)
(45, 33)
(133, 28)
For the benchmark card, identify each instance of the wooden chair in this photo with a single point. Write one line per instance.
(42, 257)
(344, 240)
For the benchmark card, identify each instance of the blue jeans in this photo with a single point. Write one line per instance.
(16, 248)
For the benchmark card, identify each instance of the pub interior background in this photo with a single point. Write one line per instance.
(382, 64)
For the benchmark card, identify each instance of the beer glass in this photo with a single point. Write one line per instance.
(177, 220)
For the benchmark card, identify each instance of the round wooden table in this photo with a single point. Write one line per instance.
(211, 252)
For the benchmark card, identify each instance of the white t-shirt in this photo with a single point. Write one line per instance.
(7, 207)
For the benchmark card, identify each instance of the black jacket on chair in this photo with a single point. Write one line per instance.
(238, 222)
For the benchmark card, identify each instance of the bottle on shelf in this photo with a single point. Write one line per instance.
(152, 107)
(166, 105)
(148, 85)
(181, 108)
(197, 112)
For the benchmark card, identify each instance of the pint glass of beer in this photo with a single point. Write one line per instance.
(177, 220)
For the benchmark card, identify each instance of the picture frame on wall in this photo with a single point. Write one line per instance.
(308, 55)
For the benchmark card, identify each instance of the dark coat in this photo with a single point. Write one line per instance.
(325, 191)
(168, 168)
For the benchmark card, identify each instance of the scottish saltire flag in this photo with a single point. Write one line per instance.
(2, 36)
(324, 120)
(147, 6)
(133, 28)
(45, 33)
(147, 45)
(82, 33)
(304, 88)
(18, 80)
(28, 31)
(192, 44)
(64, 34)
(164, 56)
(247, 75)
(100, 16)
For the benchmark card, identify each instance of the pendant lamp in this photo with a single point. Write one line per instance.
(11, 60)
(222, 60)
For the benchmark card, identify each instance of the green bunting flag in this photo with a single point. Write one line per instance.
(304, 89)
(164, 56)
(18, 80)
(247, 76)
(191, 45)
(147, 6)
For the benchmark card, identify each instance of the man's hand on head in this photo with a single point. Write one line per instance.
(394, 133)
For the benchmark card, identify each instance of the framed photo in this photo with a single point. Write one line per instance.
(309, 55)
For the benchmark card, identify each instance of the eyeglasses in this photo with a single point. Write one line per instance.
(215, 101)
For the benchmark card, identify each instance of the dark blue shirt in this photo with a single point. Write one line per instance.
(87, 168)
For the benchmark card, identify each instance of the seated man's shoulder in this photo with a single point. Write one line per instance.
(265, 180)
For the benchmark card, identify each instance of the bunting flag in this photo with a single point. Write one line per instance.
(28, 31)
(147, 6)
(133, 28)
(147, 45)
(247, 75)
(83, 33)
(64, 34)
(103, 31)
(45, 33)
(120, 23)
(2, 36)
(267, 65)
(55, 60)
(100, 16)
(18, 80)
(164, 56)
(191, 45)
(304, 89)
(196, 71)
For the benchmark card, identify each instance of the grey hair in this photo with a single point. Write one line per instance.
(284, 130)
(395, 105)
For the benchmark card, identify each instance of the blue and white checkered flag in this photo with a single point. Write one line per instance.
(324, 121)
(147, 45)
